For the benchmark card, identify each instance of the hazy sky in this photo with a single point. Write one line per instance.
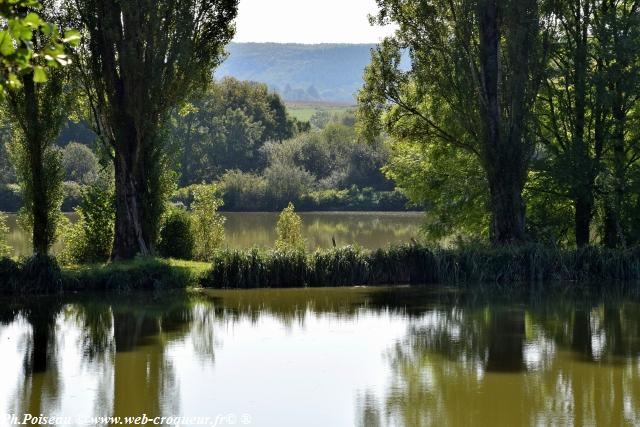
(307, 21)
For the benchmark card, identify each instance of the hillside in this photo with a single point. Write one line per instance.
(324, 72)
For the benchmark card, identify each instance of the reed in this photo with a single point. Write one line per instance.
(417, 264)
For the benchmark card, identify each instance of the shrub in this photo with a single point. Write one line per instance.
(176, 235)
(289, 230)
(8, 275)
(243, 191)
(90, 239)
(40, 274)
(72, 195)
(80, 164)
(286, 182)
(138, 274)
(208, 224)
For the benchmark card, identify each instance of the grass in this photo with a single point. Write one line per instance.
(481, 266)
(416, 264)
(40, 277)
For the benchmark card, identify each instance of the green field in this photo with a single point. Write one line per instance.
(303, 111)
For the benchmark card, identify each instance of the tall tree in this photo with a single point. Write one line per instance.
(618, 38)
(146, 56)
(38, 106)
(476, 69)
(572, 112)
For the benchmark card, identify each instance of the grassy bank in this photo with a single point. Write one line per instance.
(415, 264)
(38, 277)
(348, 266)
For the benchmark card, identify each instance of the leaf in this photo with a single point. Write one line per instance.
(39, 74)
(72, 37)
(6, 44)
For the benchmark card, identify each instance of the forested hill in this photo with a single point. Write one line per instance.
(299, 72)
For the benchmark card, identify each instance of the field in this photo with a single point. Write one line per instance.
(303, 111)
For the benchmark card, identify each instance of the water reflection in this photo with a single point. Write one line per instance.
(244, 230)
(404, 356)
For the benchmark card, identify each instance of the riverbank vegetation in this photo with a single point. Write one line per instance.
(513, 127)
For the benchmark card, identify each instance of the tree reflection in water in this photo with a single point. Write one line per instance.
(463, 359)
(554, 363)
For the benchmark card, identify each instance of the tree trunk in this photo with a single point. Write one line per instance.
(130, 237)
(583, 214)
(40, 231)
(504, 156)
(507, 211)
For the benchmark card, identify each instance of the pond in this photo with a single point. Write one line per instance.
(243, 230)
(324, 357)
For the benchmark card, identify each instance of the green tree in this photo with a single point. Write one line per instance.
(38, 106)
(475, 72)
(146, 57)
(80, 164)
(208, 224)
(90, 238)
(289, 229)
(225, 127)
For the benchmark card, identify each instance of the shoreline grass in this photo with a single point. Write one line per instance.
(488, 267)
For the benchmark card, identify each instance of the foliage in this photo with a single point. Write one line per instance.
(286, 183)
(80, 164)
(476, 69)
(138, 274)
(170, 51)
(19, 54)
(208, 224)
(9, 275)
(448, 183)
(223, 128)
(289, 229)
(42, 196)
(243, 191)
(5, 249)
(90, 238)
(176, 235)
(39, 274)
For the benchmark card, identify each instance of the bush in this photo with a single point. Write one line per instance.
(243, 191)
(289, 229)
(72, 196)
(135, 275)
(208, 224)
(9, 271)
(39, 274)
(176, 235)
(90, 239)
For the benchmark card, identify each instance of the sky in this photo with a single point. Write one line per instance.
(307, 21)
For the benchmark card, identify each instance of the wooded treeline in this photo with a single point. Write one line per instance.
(514, 115)
(517, 120)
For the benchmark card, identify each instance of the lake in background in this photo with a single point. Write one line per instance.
(369, 357)
(243, 230)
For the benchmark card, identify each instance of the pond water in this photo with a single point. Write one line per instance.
(324, 357)
(368, 229)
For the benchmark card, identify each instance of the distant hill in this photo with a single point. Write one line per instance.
(298, 72)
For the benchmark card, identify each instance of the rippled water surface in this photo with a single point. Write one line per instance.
(326, 357)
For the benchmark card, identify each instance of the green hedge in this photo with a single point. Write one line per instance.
(415, 264)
